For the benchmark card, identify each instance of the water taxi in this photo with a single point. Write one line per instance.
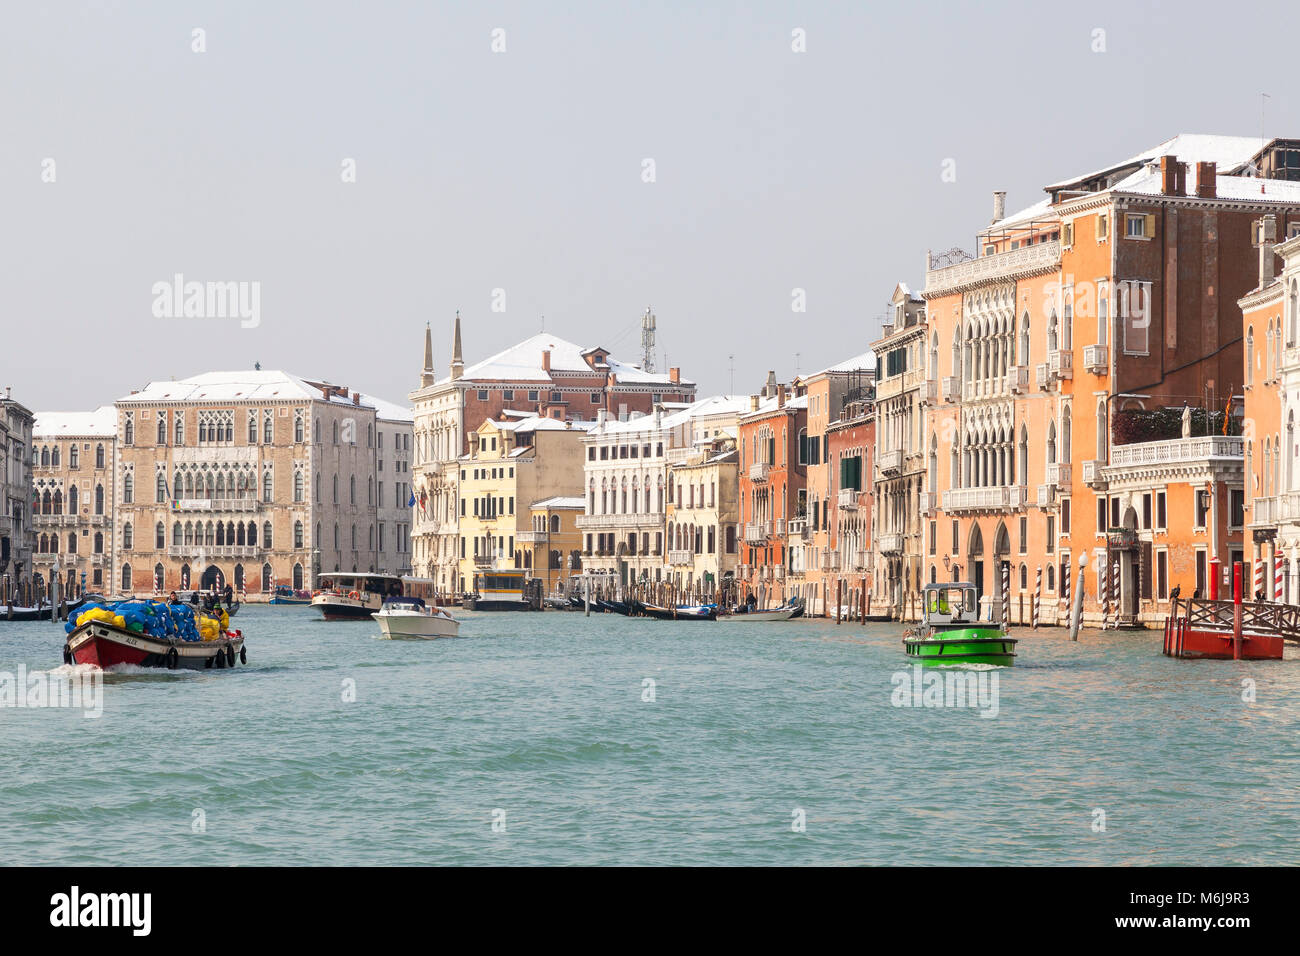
(407, 617)
(349, 595)
(283, 594)
(952, 633)
(506, 589)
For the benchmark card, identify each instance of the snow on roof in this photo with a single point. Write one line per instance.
(102, 422)
(1147, 181)
(561, 502)
(523, 362)
(864, 362)
(1229, 153)
(541, 423)
(1039, 210)
(389, 411)
(769, 404)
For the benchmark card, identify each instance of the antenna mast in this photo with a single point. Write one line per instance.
(648, 341)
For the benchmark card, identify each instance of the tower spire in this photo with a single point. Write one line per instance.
(426, 375)
(457, 362)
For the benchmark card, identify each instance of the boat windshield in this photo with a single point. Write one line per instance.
(399, 602)
(955, 603)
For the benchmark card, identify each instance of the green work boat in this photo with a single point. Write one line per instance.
(952, 633)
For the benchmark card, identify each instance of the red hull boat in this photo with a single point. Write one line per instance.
(1209, 630)
(105, 645)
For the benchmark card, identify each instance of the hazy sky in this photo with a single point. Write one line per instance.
(524, 170)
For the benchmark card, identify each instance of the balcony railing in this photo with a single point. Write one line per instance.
(1025, 261)
(930, 392)
(1060, 364)
(1046, 496)
(54, 521)
(991, 498)
(929, 500)
(1090, 471)
(758, 531)
(532, 537)
(1177, 450)
(1041, 377)
(778, 572)
(759, 470)
(951, 388)
(798, 527)
(831, 560)
(679, 558)
(1018, 379)
(245, 503)
(847, 500)
(212, 550)
(1058, 474)
(890, 462)
(778, 527)
(637, 520)
(1275, 510)
(891, 543)
(1096, 359)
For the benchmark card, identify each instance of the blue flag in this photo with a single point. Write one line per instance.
(411, 503)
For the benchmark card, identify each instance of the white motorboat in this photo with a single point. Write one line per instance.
(410, 617)
(772, 614)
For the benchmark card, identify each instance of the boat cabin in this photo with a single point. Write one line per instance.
(955, 603)
(383, 585)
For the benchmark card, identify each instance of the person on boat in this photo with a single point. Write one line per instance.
(751, 602)
(230, 595)
(173, 599)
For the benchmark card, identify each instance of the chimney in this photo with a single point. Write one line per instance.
(1206, 181)
(1267, 239)
(674, 374)
(769, 387)
(753, 403)
(602, 415)
(356, 398)
(1168, 175)
(780, 396)
(1180, 179)
(999, 205)
(659, 416)
(473, 442)
(546, 360)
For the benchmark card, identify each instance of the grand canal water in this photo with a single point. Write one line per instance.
(542, 717)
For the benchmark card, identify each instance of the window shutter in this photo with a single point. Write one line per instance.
(1067, 235)
(1146, 570)
(1149, 228)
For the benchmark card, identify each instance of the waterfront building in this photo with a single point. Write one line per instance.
(1271, 315)
(252, 479)
(773, 491)
(17, 535)
(851, 450)
(513, 463)
(809, 535)
(1081, 326)
(623, 523)
(542, 375)
(74, 463)
(553, 544)
(905, 388)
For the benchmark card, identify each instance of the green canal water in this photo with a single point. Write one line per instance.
(542, 723)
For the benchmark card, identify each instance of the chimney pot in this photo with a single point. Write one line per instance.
(356, 398)
(1267, 239)
(674, 374)
(753, 403)
(999, 205)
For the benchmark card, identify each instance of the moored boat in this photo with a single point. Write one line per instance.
(410, 617)
(682, 612)
(783, 613)
(283, 594)
(952, 633)
(505, 589)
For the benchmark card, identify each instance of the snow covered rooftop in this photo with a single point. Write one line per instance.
(864, 362)
(254, 385)
(561, 502)
(522, 362)
(1230, 153)
(102, 422)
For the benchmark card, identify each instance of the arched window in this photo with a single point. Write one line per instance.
(54, 457)
(297, 577)
(99, 456)
(1295, 309)
(1101, 431)
(297, 486)
(178, 535)
(352, 490)
(159, 536)
(162, 429)
(126, 578)
(178, 429)
(1065, 434)
(297, 534)
(130, 430)
(45, 456)
(72, 499)
(1250, 356)
(266, 535)
(160, 489)
(1051, 443)
(72, 542)
(128, 488)
(74, 456)
(267, 486)
(266, 577)
(99, 542)
(555, 524)
(127, 536)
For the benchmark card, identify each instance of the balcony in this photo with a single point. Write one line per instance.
(1018, 379)
(1090, 471)
(54, 521)
(680, 558)
(991, 498)
(759, 471)
(604, 522)
(247, 503)
(1014, 264)
(1178, 451)
(864, 561)
(1046, 496)
(212, 550)
(890, 462)
(951, 389)
(1060, 364)
(778, 527)
(742, 570)
(930, 392)
(757, 531)
(532, 537)
(890, 543)
(1059, 474)
(1096, 359)
(1273, 511)
(778, 572)
(798, 528)
(847, 500)
(1041, 378)
(929, 501)
(832, 560)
